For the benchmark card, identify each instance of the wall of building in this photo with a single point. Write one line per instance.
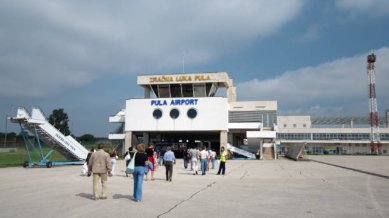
(212, 114)
(253, 105)
(293, 122)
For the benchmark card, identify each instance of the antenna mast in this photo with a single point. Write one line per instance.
(375, 144)
(183, 62)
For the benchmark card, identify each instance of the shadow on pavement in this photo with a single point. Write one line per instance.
(85, 195)
(120, 196)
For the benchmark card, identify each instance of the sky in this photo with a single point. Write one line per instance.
(85, 56)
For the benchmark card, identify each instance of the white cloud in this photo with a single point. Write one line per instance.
(336, 87)
(370, 7)
(68, 43)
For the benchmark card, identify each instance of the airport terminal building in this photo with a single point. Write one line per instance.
(201, 109)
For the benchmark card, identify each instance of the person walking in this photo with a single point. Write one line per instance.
(204, 160)
(92, 150)
(100, 165)
(85, 170)
(114, 156)
(185, 156)
(213, 158)
(209, 151)
(194, 153)
(169, 159)
(155, 156)
(127, 158)
(161, 153)
(150, 157)
(223, 158)
(141, 162)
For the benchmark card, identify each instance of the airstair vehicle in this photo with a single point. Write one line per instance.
(43, 131)
(240, 151)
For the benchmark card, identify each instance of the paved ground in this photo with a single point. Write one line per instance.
(281, 188)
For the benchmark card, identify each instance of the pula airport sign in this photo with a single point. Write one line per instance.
(175, 102)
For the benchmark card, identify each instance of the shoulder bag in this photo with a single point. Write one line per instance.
(131, 165)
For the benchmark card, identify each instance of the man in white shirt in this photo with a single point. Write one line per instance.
(194, 153)
(204, 160)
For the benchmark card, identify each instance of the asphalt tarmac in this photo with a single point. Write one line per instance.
(326, 186)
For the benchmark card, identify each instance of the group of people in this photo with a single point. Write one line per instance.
(145, 160)
(205, 158)
(102, 164)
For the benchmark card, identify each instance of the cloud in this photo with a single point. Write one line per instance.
(336, 87)
(312, 33)
(370, 7)
(63, 44)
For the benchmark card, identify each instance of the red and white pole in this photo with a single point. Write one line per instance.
(374, 120)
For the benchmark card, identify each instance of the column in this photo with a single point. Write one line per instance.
(147, 92)
(223, 139)
(127, 141)
(231, 94)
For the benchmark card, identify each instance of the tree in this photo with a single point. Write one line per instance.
(59, 119)
(87, 138)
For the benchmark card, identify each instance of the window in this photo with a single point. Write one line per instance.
(294, 125)
(155, 90)
(192, 113)
(285, 125)
(187, 90)
(164, 91)
(157, 113)
(174, 113)
(304, 125)
(175, 90)
(199, 90)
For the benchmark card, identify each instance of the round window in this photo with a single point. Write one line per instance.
(192, 113)
(174, 113)
(157, 113)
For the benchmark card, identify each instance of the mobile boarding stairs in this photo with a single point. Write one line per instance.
(43, 131)
(237, 150)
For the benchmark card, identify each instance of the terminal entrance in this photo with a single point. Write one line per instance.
(181, 141)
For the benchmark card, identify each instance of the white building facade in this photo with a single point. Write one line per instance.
(184, 109)
(331, 135)
(188, 110)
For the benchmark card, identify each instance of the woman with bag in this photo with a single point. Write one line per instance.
(140, 164)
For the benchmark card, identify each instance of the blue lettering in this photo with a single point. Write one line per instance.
(174, 102)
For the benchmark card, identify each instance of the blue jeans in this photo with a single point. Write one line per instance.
(204, 163)
(213, 162)
(139, 173)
